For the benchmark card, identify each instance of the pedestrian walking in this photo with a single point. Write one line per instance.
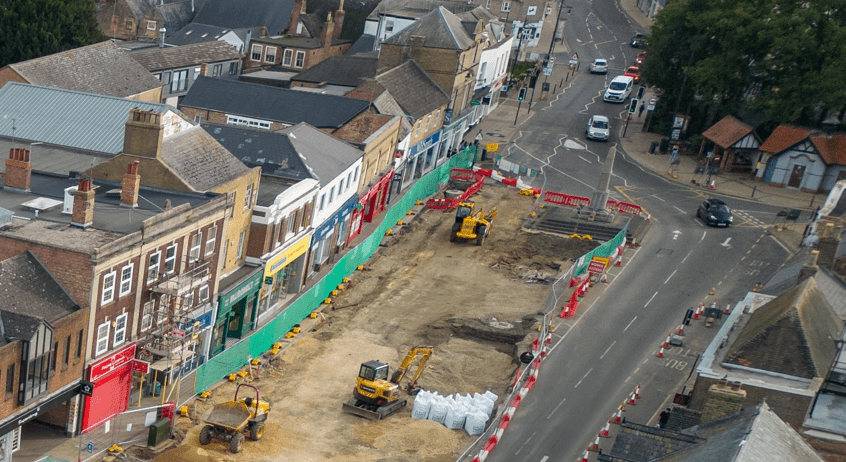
(640, 111)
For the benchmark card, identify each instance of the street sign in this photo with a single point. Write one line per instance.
(596, 267)
(140, 366)
(86, 388)
(492, 147)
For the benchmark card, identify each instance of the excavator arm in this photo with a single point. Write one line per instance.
(424, 352)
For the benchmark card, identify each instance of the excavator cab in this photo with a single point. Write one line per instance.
(373, 371)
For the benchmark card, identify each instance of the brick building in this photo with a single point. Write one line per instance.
(143, 19)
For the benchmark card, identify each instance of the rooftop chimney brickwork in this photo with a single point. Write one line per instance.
(83, 204)
(724, 399)
(18, 170)
(299, 9)
(143, 133)
(829, 242)
(130, 185)
(339, 20)
(328, 31)
(809, 269)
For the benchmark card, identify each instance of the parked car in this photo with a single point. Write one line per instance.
(715, 212)
(639, 40)
(633, 72)
(599, 66)
(598, 128)
(619, 89)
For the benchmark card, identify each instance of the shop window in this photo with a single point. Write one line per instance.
(102, 338)
(108, 292)
(147, 317)
(211, 235)
(170, 260)
(153, 266)
(126, 279)
(196, 242)
(120, 329)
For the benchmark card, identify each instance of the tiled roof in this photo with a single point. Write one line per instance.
(793, 334)
(349, 71)
(101, 68)
(364, 44)
(441, 28)
(199, 160)
(416, 8)
(362, 126)
(325, 155)
(68, 118)
(681, 418)
(158, 59)
(241, 14)
(641, 443)
(271, 103)
(28, 289)
(271, 151)
(413, 89)
(783, 138)
(177, 15)
(727, 131)
(832, 148)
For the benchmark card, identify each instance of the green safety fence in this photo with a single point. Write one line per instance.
(604, 250)
(236, 356)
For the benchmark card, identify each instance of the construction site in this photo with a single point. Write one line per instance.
(475, 302)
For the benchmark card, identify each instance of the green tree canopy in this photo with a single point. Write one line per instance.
(33, 28)
(784, 60)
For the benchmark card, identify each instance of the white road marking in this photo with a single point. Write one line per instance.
(726, 243)
(703, 236)
(650, 299)
(688, 254)
(524, 444)
(580, 157)
(580, 381)
(545, 458)
(680, 210)
(668, 279)
(553, 411)
(630, 324)
(609, 349)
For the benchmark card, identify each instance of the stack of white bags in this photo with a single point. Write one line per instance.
(455, 411)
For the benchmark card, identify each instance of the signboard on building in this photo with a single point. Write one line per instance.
(247, 287)
(286, 256)
(111, 363)
(492, 147)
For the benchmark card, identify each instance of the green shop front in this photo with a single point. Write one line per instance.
(236, 308)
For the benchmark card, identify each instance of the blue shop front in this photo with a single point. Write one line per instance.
(331, 236)
(422, 158)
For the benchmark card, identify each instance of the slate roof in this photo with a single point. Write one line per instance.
(270, 103)
(364, 44)
(416, 8)
(307, 43)
(177, 15)
(349, 71)
(783, 138)
(73, 119)
(413, 89)
(641, 443)
(363, 126)
(199, 160)
(441, 28)
(27, 289)
(101, 68)
(727, 131)
(271, 151)
(832, 148)
(241, 14)
(158, 59)
(793, 334)
(383, 101)
(681, 418)
(325, 155)
(198, 33)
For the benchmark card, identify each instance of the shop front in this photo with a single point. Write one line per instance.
(421, 158)
(283, 275)
(331, 236)
(453, 133)
(112, 379)
(236, 308)
(370, 204)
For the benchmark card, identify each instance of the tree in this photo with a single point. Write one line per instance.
(33, 28)
(778, 59)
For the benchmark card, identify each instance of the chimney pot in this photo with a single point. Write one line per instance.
(83, 204)
(130, 185)
(735, 385)
(18, 170)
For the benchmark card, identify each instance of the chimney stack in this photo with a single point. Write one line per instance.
(416, 42)
(299, 9)
(143, 133)
(339, 20)
(809, 269)
(83, 204)
(130, 185)
(18, 170)
(162, 32)
(204, 70)
(828, 244)
(328, 31)
(724, 399)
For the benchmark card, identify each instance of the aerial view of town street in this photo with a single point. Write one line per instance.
(422, 231)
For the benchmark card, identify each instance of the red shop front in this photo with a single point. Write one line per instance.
(370, 203)
(112, 379)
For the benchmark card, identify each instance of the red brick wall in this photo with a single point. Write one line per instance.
(258, 244)
(71, 269)
(7, 74)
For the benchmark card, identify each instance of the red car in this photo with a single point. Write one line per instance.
(633, 72)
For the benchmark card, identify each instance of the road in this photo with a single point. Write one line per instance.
(611, 347)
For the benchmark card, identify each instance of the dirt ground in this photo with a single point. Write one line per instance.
(473, 304)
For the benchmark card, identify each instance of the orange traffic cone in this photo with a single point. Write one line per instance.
(595, 445)
(606, 431)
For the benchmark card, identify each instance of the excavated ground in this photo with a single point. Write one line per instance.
(474, 304)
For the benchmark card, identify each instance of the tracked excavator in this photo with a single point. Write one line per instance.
(471, 226)
(375, 396)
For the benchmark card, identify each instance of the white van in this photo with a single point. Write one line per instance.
(619, 89)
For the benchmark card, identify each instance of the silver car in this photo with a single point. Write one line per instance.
(599, 66)
(598, 128)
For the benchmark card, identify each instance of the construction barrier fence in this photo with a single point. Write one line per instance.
(130, 427)
(237, 356)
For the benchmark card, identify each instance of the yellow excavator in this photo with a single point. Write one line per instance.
(375, 396)
(470, 226)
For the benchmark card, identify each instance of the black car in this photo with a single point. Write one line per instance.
(638, 41)
(715, 212)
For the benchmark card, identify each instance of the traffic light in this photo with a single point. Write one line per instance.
(522, 95)
(633, 106)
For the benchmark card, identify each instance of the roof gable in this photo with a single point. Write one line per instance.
(241, 14)
(783, 138)
(101, 68)
(272, 103)
(440, 28)
(195, 54)
(413, 89)
(727, 131)
(793, 334)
